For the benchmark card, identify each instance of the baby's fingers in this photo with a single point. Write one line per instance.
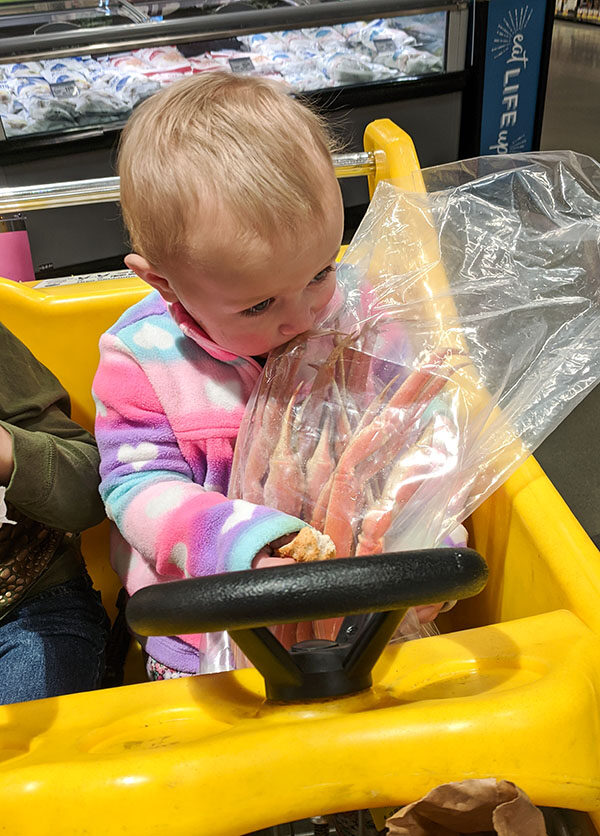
(265, 562)
(428, 612)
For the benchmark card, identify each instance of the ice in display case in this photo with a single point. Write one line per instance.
(67, 90)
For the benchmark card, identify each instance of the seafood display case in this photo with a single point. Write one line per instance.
(71, 71)
(70, 65)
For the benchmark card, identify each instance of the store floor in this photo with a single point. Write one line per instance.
(572, 113)
(571, 455)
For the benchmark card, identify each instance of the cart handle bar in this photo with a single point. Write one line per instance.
(306, 592)
(106, 189)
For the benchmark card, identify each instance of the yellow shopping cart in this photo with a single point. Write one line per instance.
(510, 690)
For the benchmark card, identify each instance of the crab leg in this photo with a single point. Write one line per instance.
(318, 470)
(258, 454)
(378, 402)
(305, 439)
(284, 488)
(395, 435)
(320, 509)
(343, 430)
(364, 446)
(403, 482)
(401, 485)
(267, 425)
(310, 414)
(409, 398)
(358, 364)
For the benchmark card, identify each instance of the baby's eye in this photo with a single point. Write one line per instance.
(258, 309)
(323, 274)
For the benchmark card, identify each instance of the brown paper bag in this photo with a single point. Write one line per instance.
(479, 807)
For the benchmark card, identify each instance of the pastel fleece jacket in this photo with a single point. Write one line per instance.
(169, 403)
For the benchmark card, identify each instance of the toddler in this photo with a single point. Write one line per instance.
(53, 628)
(235, 217)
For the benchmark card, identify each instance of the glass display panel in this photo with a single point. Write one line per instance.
(73, 93)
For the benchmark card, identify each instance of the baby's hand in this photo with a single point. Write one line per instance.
(264, 561)
(267, 556)
(428, 612)
(6, 456)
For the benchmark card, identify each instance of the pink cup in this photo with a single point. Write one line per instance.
(15, 252)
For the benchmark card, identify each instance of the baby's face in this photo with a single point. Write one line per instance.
(252, 303)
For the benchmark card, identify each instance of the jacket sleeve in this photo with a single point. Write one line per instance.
(179, 526)
(55, 475)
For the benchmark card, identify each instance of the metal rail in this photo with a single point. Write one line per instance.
(211, 27)
(106, 189)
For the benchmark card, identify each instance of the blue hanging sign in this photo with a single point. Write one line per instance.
(512, 66)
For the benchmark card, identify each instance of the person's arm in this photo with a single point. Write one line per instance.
(48, 463)
(6, 457)
(178, 526)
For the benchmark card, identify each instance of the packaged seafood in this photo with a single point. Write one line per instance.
(100, 105)
(23, 68)
(352, 68)
(128, 89)
(427, 30)
(305, 75)
(348, 30)
(6, 97)
(163, 58)
(296, 42)
(75, 67)
(15, 124)
(411, 61)
(329, 40)
(263, 42)
(376, 37)
(164, 77)
(26, 86)
(48, 113)
(126, 62)
(247, 63)
(90, 65)
(67, 85)
(467, 330)
(205, 63)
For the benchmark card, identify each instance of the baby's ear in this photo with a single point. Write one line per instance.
(149, 274)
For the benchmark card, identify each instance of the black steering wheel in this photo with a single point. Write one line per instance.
(246, 603)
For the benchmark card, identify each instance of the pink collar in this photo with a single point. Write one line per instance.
(192, 330)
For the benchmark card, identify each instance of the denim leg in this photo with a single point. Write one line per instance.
(54, 643)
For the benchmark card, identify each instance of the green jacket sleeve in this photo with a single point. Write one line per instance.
(55, 477)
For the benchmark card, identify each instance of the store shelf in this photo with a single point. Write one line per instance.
(572, 19)
(578, 11)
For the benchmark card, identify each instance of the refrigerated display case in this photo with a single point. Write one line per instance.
(72, 70)
(66, 92)
(69, 66)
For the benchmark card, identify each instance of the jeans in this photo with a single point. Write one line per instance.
(53, 643)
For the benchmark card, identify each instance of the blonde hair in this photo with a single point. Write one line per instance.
(214, 146)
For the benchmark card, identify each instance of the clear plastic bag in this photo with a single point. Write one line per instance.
(469, 328)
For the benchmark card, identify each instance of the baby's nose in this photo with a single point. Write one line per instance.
(302, 321)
